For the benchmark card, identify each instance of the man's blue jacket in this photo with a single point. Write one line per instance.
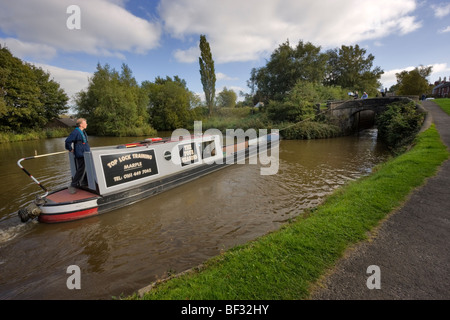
(80, 142)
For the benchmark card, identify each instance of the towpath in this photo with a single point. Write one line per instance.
(411, 247)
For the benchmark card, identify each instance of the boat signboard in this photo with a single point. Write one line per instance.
(126, 167)
(188, 153)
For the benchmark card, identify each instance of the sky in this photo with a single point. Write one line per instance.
(69, 38)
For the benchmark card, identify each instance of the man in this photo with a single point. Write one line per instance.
(79, 139)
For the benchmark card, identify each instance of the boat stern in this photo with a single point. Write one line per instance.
(31, 211)
(61, 206)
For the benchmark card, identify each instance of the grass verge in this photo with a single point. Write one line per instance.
(444, 103)
(284, 264)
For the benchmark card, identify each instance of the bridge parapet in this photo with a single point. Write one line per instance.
(346, 114)
(369, 103)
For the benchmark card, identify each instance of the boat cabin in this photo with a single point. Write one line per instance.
(113, 169)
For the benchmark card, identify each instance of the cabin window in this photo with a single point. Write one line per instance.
(167, 155)
(208, 149)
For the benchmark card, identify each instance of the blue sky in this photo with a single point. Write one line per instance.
(160, 38)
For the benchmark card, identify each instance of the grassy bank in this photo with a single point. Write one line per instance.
(64, 132)
(34, 135)
(444, 103)
(284, 264)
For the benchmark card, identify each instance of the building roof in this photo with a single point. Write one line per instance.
(68, 122)
(442, 84)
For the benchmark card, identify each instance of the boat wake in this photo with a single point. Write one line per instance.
(11, 232)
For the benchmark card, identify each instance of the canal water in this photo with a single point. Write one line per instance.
(124, 250)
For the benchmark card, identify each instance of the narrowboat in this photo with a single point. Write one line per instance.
(121, 175)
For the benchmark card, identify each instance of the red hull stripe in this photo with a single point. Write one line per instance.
(50, 218)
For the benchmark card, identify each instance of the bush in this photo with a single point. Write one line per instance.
(310, 130)
(257, 121)
(399, 124)
(199, 113)
(300, 103)
(234, 112)
(57, 132)
(289, 111)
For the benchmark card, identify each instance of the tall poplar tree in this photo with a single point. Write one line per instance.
(207, 73)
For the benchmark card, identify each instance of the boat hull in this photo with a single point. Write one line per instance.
(61, 206)
(118, 177)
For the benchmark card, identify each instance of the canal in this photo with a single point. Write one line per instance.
(124, 250)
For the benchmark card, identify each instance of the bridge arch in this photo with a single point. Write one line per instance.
(363, 119)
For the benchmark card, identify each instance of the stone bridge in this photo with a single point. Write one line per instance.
(355, 115)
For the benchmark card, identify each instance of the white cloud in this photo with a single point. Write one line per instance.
(187, 56)
(222, 76)
(441, 11)
(22, 49)
(248, 30)
(444, 30)
(439, 70)
(388, 78)
(407, 25)
(72, 81)
(440, 67)
(106, 27)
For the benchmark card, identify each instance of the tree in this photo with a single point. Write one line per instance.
(300, 103)
(169, 102)
(413, 82)
(207, 73)
(29, 98)
(114, 104)
(286, 66)
(227, 98)
(348, 67)
(3, 107)
(52, 97)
